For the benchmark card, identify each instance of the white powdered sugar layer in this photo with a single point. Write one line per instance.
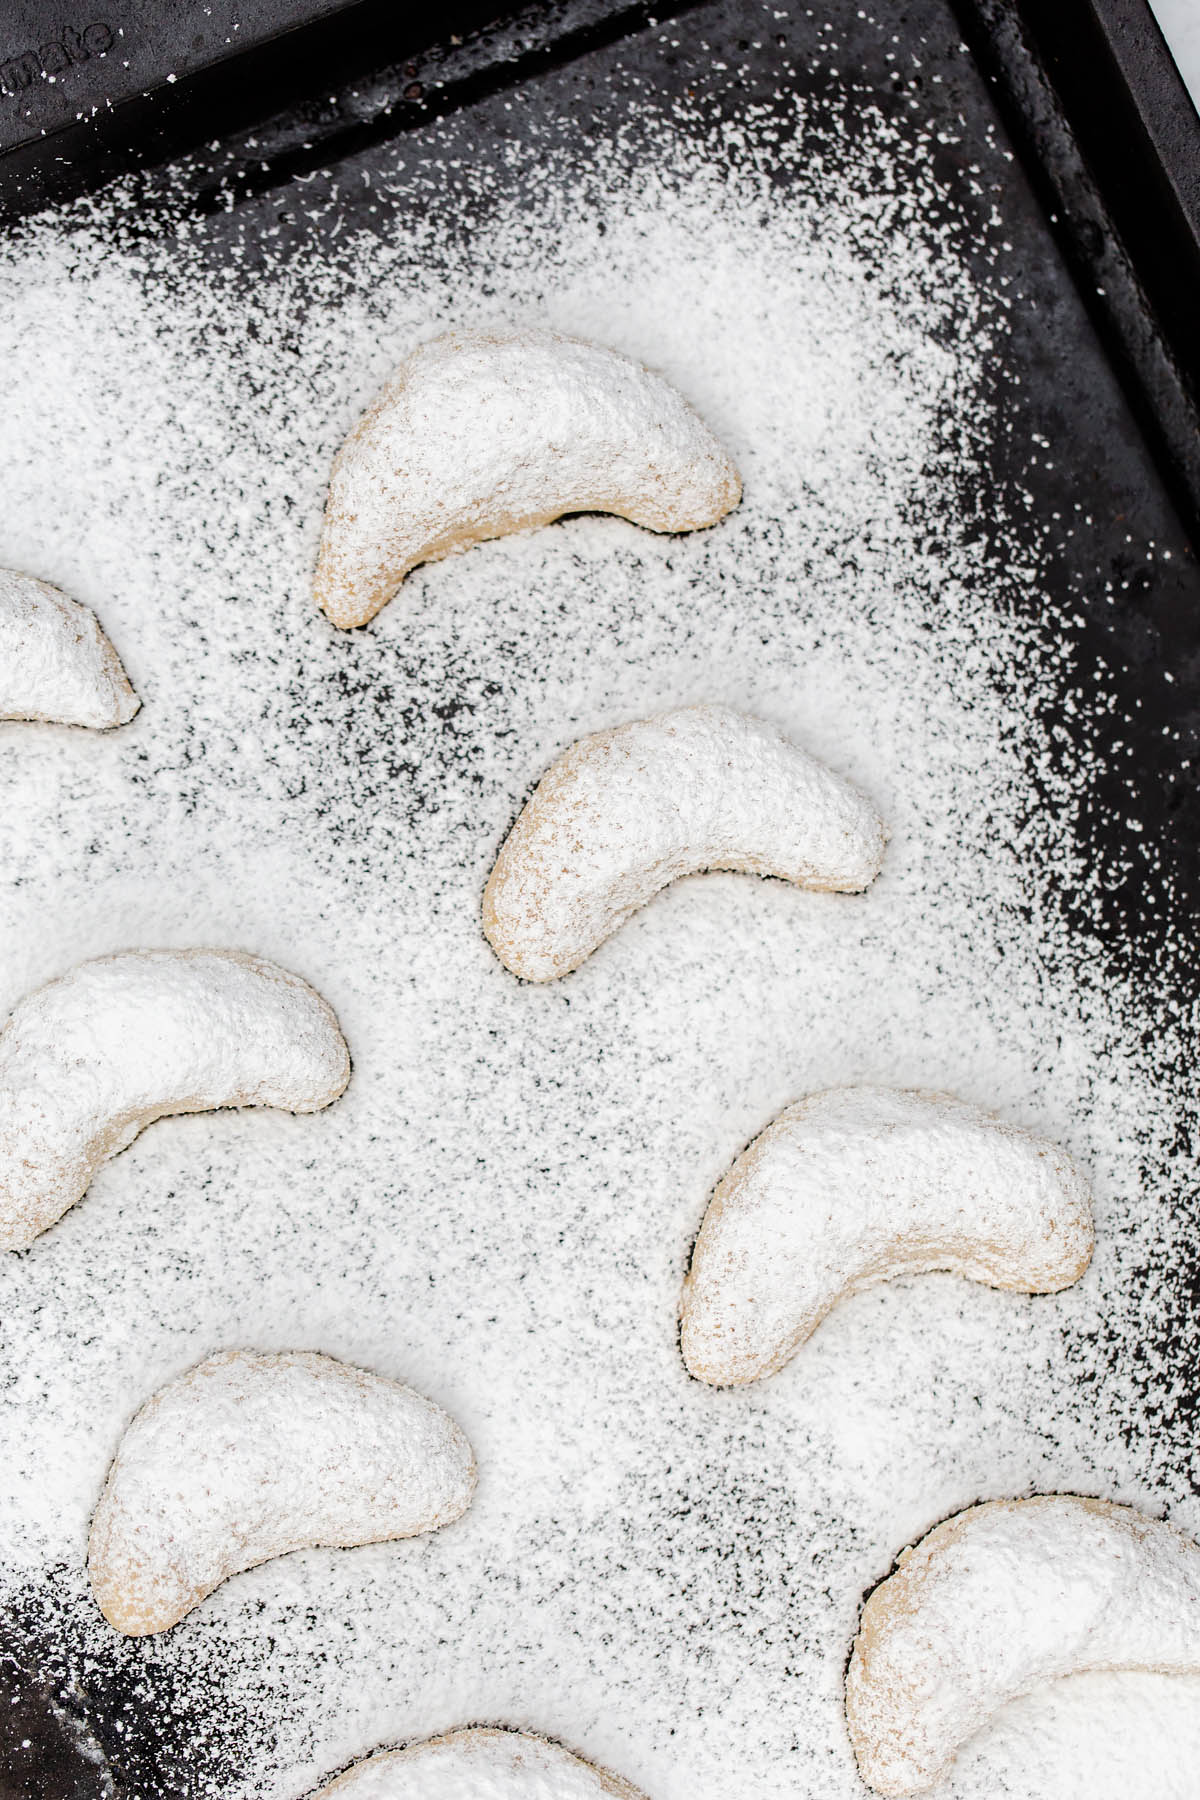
(482, 432)
(859, 1185)
(56, 665)
(487, 1765)
(248, 1457)
(89, 1060)
(999, 1599)
(626, 812)
(665, 1576)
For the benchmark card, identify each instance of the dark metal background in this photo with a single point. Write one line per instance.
(1110, 139)
(177, 75)
(590, 66)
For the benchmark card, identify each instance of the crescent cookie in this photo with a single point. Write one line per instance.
(859, 1184)
(250, 1456)
(627, 811)
(998, 1600)
(91, 1058)
(56, 665)
(481, 433)
(478, 1765)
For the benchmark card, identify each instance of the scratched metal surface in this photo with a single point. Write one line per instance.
(110, 1726)
(55, 65)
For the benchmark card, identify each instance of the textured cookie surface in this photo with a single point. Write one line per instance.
(855, 1185)
(249, 1456)
(91, 1058)
(56, 665)
(1002, 1598)
(480, 433)
(478, 1765)
(625, 812)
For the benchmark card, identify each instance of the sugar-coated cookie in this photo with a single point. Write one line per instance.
(56, 665)
(1000, 1599)
(478, 1765)
(91, 1058)
(858, 1184)
(479, 433)
(249, 1456)
(626, 811)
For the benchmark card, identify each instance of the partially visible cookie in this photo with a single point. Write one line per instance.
(998, 1600)
(56, 665)
(249, 1456)
(478, 1765)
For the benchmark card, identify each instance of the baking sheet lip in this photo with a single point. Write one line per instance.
(170, 118)
(1051, 116)
(440, 102)
(136, 48)
(1157, 89)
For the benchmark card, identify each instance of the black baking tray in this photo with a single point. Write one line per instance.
(1101, 210)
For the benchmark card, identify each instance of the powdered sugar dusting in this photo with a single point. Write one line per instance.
(500, 1209)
